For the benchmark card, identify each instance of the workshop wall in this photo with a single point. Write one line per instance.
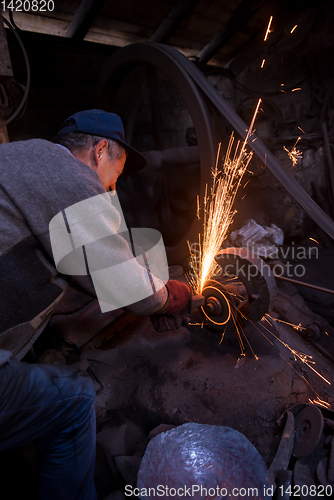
(294, 77)
(65, 77)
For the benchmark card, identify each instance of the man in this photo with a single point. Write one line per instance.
(40, 182)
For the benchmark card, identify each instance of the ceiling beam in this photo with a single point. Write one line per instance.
(84, 18)
(240, 17)
(5, 62)
(173, 20)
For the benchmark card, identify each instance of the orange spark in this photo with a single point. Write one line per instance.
(301, 130)
(268, 29)
(295, 327)
(304, 358)
(293, 29)
(294, 154)
(218, 209)
(314, 240)
(263, 63)
(319, 402)
(293, 90)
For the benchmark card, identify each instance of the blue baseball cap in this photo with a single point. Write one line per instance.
(108, 125)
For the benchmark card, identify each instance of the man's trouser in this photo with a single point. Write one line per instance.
(53, 406)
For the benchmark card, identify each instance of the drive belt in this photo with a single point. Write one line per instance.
(290, 184)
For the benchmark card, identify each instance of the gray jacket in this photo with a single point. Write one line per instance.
(38, 180)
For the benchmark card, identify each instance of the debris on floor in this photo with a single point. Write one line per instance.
(148, 383)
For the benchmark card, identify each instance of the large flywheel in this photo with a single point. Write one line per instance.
(140, 203)
(209, 114)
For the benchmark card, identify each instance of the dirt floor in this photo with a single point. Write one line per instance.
(144, 379)
(187, 375)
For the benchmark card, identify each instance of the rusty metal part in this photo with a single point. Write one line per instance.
(322, 472)
(330, 469)
(256, 276)
(329, 423)
(219, 309)
(283, 454)
(284, 482)
(197, 301)
(302, 476)
(213, 306)
(309, 427)
(302, 283)
(327, 413)
(294, 410)
(311, 334)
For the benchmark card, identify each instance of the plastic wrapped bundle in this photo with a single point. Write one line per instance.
(202, 462)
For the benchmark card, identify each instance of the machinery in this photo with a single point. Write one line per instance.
(212, 119)
(246, 288)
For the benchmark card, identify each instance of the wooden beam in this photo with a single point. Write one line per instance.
(240, 17)
(84, 18)
(173, 20)
(5, 62)
(3, 133)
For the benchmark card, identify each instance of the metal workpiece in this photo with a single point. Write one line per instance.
(283, 453)
(246, 289)
(309, 424)
(256, 276)
(219, 310)
(309, 428)
(197, 301)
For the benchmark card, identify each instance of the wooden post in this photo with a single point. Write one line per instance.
(5, 73)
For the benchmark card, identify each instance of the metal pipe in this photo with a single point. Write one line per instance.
(296, 282)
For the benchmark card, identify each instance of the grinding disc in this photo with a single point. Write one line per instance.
(225, 317)
(309, 426)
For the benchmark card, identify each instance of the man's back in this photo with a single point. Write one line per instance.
(38, 179)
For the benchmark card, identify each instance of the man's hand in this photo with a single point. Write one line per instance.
(179, 295)
(175, 312)
(164, 322)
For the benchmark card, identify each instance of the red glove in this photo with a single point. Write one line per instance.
(179, 294)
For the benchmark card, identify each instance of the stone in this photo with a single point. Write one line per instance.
(115, 495)
(161, 428)
(82, 365)
(107, 357)
(103, 363)
(122, 441)
(128, 468)
(116, 392)
(52, 357)
(105, 479)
